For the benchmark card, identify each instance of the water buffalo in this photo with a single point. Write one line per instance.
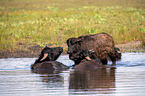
(83, 54)
(48, 67)
(49, 54)
(102, 43)
(46, 61)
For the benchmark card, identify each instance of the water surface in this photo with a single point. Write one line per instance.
(128, 79)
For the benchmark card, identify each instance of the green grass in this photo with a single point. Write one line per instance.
(24, 23)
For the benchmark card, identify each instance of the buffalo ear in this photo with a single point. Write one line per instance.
(70, 41)
(77, 40)
(74, 40)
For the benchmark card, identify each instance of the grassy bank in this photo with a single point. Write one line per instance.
(25, 23)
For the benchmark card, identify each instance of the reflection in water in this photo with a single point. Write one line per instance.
(50, 77)
(46, 71)
(100, 80)
(52, 80)
(55, 82)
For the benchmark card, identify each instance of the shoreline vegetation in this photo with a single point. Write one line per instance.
(27, 26)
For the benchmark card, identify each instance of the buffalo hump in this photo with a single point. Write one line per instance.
(102, 44)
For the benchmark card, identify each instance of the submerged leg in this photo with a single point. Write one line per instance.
(113, 59)
(113, 63)
(104, 61)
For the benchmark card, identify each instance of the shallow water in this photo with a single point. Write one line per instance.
(128, 79)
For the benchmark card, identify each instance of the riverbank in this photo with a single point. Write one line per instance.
(26, 24)
(34, 51)
(134, 46)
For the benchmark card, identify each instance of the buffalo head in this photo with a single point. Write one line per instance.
(117, 53)
(49, 54)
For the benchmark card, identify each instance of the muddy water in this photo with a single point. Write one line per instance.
(128, 79)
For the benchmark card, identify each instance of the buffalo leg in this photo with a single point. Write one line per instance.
(113, 59)
(104, 61)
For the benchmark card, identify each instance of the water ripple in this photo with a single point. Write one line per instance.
(128, 60)
(132, 59)
(16, 63)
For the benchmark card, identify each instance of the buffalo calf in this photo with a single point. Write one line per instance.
(83, 54)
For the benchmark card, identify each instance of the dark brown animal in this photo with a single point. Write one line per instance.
(48, 67)
(82, 54)
(102, 43)
(91, 64)
(46, 61)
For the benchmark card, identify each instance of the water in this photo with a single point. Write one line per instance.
(128, 79)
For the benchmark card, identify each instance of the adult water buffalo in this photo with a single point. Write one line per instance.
(102, 44)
